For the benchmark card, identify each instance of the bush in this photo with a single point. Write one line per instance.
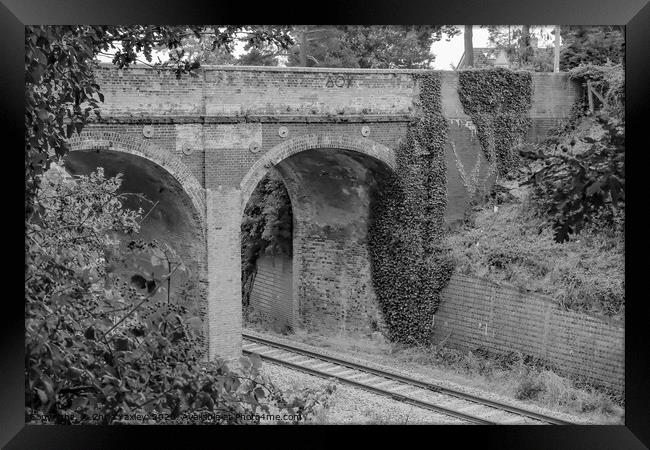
(609, 79)
(514, 245)
(100, 349)
(575, 190)
(551, 390)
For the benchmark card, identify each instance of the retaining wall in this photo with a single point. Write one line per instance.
(475, 313)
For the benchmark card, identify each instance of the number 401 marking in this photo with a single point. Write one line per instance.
(339, 81)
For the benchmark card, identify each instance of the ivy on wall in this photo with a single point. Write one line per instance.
(409, 265)
(498, 101)
(267, 228)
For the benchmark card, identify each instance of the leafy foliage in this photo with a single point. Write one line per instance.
(60, 88)
(575, 190)
(589, 44)
(100, 349)
(409, 265)
(516, 245)
(267, 227)
(609, 79)
(375, 46)
(498, 101)
(520, 44)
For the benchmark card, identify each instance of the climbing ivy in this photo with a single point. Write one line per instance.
(266, 227)
(409, 265)
(498, 101)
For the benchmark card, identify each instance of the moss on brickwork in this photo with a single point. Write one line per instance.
(409, 266)
(498, 100)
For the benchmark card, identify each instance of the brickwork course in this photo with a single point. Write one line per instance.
(330, 133)
(477, 314)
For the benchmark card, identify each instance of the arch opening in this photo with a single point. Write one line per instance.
(169, 217)
(331, 191)
(266, 252)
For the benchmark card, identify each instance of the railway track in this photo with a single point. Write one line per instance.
(443, 400)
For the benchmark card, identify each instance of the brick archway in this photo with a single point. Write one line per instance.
(331, 181)
(90, 140)
(308, 142)
(192, 198)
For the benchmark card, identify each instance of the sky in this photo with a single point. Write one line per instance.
(447, 52)
(450, 52)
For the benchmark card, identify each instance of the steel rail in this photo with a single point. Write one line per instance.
(376, 390)
(408, 380)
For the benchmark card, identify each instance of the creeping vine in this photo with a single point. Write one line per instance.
(409, 265)
(498, 101)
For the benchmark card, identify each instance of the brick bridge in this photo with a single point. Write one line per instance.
(198, 146)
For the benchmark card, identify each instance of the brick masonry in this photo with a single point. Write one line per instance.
(219, 133)
(477, 314)
(272, 294)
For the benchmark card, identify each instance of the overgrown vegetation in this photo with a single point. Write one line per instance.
(409, 265)
(558, 227)
(498, 100)
(99, 348)
(522, 378)
(514, 245)
(585, 186)
(592, 44)
(267, 228)
(513, 375)
(61, 92)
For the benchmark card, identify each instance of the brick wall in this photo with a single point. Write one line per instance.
(231, 94)
(475, 313)
(224, 272)
(203, 132)
(330, 193)
(272, 293)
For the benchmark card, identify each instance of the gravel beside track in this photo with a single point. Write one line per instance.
(351, 405)
(416, 375)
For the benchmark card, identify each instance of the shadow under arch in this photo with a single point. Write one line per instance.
(331, 181)
(306, 142)
(173, 214)
(118, 142)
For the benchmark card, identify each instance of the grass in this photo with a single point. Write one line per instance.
(585, 274)
(510, 376)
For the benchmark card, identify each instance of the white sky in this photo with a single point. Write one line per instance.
(447, 52)
(450, 52)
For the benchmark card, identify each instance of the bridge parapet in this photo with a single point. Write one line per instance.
(225, 94)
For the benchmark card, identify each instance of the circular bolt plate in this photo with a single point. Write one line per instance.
(283, 131)
(365, 131)
(187, 149)
(147, 131)
(254, 147)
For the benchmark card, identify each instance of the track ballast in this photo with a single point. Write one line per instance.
(443, 400)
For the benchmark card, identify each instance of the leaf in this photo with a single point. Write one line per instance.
(79, 402)
(256, 360)
(155, 260)
(42, 396)
(90, 333)
(259, 393)
(121, 344)
(194, 322)
(138, 281)
(245, 362)
(594, 187)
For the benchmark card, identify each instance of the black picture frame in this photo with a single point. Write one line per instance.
(635, 14)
